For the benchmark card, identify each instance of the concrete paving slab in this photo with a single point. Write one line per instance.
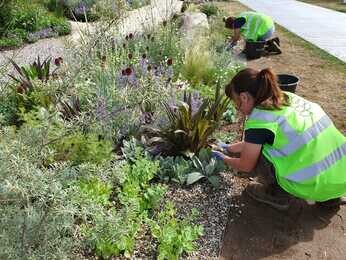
(322, 27)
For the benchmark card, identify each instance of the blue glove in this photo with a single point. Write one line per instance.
(217, 155)
(223, 147)
(230, 46)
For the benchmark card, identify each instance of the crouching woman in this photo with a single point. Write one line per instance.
(289, 141)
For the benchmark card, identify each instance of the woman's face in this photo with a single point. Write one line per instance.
(243, 102)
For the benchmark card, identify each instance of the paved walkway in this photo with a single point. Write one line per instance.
(136, 21)
(322, 27)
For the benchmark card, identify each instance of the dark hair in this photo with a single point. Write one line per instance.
(229, 22)
(261, 85)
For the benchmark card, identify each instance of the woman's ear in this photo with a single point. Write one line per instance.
(243, 96)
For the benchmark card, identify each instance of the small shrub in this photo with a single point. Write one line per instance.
(198, 66)
(205, 167)
(174, 169)
(209, 9)
(79, 148)
(175, 237)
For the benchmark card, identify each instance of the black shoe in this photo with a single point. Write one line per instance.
(272, 47)
(332, 203)
(276, 40)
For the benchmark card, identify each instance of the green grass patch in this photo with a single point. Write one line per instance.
(335, 5)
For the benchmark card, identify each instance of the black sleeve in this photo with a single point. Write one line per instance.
(259, 136)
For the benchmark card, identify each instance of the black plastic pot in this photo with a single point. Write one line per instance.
(288, 82)
(254, 50)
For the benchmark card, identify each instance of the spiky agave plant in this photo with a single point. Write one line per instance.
(36, 70)
(189, 126)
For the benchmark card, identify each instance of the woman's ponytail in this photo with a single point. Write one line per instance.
(268, 92)
(262, 85)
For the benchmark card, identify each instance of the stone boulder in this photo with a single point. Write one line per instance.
(194, 24)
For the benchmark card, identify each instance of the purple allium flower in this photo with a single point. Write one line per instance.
(58, 61)
(128, 71)
(170, 62)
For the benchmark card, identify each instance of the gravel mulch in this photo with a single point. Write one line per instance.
(213, 207)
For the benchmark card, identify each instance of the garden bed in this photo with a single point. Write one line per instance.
(108, 147)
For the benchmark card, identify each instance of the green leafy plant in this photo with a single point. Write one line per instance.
(79, 148)
(209, 9)
(96, 190)
(174, 236)
(112, 232)
(174, 169)
(136, 187)
(205, 167)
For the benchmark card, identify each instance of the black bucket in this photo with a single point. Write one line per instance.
(288, 82)
(254, 50)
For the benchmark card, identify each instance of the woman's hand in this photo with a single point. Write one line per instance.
(217, 155)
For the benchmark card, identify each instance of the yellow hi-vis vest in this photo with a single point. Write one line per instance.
(256, 25)
(308, 152)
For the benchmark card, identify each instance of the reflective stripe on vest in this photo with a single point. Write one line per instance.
(319, 167)
(296, 140)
